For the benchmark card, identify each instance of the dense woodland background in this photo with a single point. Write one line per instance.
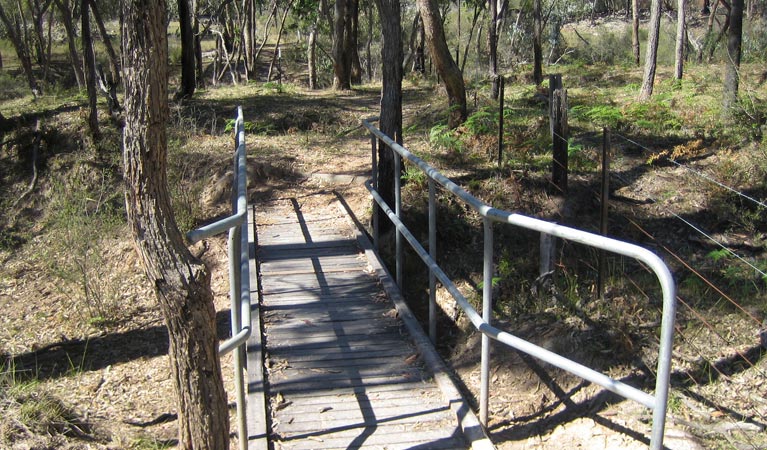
(83, 346)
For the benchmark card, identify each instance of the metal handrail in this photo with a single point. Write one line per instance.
(239, 271)
(657, 402)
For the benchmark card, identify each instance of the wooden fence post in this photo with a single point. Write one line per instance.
(500, 120)
(603, 216)
(559, 131)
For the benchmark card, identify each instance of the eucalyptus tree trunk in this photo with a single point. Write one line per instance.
(352, 42)
(635, 30)
(492, 43)
(249, 35)
(681, 42)
(651, 56)
(188, 73)
(197, 44)
(181, 282)
(732, 63)
(90, 67)
(446, 67)
(390, 121)
(537, 43)
(369, 43)
(311, 57)
(342, 62)
(419, 64)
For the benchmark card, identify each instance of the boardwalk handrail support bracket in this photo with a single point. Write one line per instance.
(483, 323)
(239, 271)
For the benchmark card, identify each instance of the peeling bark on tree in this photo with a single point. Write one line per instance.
(181, 282)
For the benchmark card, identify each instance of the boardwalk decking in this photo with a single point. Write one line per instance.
(341, 370)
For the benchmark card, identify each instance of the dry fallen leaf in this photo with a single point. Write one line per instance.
(411, 359)
(392, 313)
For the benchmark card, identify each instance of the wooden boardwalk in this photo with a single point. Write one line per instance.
(341, 371)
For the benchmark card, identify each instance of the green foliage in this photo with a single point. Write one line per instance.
(414, 174)
(443, 137)
(738, 275)
(484, 121)
(754, 41)
(278, 88)
(250, 127)
(11, 86)
(655, 116)
(718, 255)
(87, 211)
(602, 115)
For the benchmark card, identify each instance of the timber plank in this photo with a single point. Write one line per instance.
(341, 373)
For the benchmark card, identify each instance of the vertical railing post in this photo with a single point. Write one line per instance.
(664, 367)
(398, 213)
(239, 354)
(374, 159)
(433, 255)
(487, 316)
(235, 284)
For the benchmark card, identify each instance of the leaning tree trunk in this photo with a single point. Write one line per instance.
(114, 60)
(651, 57)
(390, 121)
(443, 60)
(276, 53)
(732, 64)
(181, 282)
(90, 68)
(66, 19)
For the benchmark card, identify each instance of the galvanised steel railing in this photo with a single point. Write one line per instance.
(657, 403)
(239, 272)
